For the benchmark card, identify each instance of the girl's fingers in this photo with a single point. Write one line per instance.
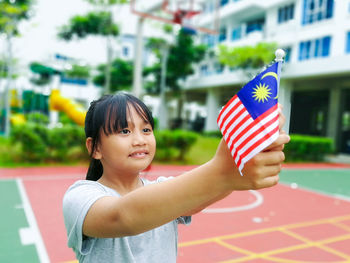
(282, 139)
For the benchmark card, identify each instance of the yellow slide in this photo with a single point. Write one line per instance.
(72, 109)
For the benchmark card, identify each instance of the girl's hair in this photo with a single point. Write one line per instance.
(109, 115)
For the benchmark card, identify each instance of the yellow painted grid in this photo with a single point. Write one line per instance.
(288, 230)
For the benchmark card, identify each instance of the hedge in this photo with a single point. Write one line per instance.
(308, 148)
(173, 145)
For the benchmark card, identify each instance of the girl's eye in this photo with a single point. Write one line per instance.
(147, 130)
(124, 131)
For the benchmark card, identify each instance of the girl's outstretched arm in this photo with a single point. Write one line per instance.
(154, 205)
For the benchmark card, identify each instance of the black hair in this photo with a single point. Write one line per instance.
(109, 115)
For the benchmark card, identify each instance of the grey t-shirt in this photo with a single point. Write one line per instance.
(157, 245)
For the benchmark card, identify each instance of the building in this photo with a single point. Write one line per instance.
(316, 73)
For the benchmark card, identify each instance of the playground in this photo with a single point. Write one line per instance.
(306, 218)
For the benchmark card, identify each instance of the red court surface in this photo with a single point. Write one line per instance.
(279, 224)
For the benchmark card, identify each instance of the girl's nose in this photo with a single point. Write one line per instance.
(139, 139)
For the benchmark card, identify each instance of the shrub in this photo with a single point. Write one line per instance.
(173, 145)
(308, 148)
(40, 144)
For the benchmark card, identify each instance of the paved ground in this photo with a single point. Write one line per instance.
(306, 218)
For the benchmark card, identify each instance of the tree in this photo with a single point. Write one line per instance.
(247, 57)
(121, 75)
(78, 71)
(182, 55)
(11, 14)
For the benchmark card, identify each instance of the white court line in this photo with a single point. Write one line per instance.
(33, 229)
(258, 201)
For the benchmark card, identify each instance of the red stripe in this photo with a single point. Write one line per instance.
(226, 106)
(261, 117)
(234, 119)
(251, 148)
(245, 119)
(258, 131)
(229, 113)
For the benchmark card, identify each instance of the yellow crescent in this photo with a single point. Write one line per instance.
(272, 74)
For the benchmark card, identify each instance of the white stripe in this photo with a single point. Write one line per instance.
(33, 226)
(239, 130)
(232, 115)
(234, 102)
(256, 127)
(234, 124)
(257, 137)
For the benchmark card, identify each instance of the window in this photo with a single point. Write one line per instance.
(348, 43)
(255, 25)
(204, 70)
(236, 33)
(222, 35)
(315, 48)
(316, 10)
(223, 2)
(209, 40)
(219, 68)
(288, 51)
(285, 13)
(125, 51)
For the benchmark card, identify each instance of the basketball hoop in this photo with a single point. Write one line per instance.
(192, 15)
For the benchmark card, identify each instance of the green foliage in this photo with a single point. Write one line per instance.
(173, 145)
(308, 148)
(37, 117)
(247, 57)
(78, 71)
(37, 143)
(94, 23)
(43, 73)
(121, 75)
(11, 13)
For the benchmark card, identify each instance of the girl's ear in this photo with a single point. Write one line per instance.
(96, 154)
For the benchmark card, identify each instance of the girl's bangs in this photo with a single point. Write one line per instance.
(118, 113)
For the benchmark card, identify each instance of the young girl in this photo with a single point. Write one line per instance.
(116, 216)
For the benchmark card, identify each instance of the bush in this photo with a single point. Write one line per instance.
(308, 148)
(173, 145)
(41, 144)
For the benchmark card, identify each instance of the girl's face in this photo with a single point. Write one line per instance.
(128, 151)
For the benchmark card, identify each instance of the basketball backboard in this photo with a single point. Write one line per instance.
(197, 15)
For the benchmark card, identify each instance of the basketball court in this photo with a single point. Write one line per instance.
(296, 221)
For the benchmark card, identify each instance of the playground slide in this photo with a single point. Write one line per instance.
(72, 109)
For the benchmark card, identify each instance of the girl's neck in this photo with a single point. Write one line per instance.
(122, 185)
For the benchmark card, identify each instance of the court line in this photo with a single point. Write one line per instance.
(259, 199)
(33, 226)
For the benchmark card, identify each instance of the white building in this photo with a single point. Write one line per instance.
(315, 77)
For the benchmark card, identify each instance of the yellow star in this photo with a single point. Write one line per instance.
(262, 93)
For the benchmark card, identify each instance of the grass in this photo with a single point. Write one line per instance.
(202, 151)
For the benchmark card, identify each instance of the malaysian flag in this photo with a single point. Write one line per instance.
(249, 121)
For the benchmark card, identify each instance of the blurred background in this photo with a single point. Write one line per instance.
(185, 59)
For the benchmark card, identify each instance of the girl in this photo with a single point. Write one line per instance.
(115, 216)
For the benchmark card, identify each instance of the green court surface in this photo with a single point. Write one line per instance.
(12, 220)
(334, 182)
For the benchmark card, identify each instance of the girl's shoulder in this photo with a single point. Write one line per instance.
(89, 186)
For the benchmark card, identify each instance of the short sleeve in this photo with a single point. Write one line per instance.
(76, 203)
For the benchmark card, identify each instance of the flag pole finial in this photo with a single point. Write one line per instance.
(279, 55)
